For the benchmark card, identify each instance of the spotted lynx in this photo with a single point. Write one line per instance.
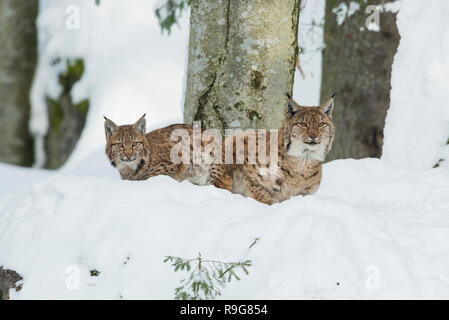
(138, 155)
(303, 142)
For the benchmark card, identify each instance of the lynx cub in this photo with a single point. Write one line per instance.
(303, 142)
(138, 155)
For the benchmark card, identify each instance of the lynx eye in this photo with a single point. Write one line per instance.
(120, 145)
(322, 124)
(303, 124)
(135, 144)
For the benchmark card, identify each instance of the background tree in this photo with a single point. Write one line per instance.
(357, 64)
(18, 57)
(8, 280)
(241, 62)
(66, 118)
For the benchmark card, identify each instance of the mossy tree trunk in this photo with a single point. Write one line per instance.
(66, 118)
(241, 62)
(357, 64)
(18, 57)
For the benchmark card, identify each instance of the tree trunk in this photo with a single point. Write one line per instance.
(66, 118)
(357, 64)
(241, 62)
(8, 280)
(18, 57)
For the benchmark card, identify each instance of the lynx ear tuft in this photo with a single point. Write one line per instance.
(140, 125)
(292, 106)
(328, 106)
(288, 95)
(333, 96)
(109, 127)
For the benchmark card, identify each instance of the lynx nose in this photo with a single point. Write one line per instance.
(128, 155)
(313, 136)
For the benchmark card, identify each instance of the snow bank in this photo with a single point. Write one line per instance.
(16, 179)
(417, 125)
(376, 230)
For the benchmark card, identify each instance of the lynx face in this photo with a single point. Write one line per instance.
(126, 146)
(309, 131)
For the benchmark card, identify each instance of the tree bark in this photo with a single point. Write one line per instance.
(357, 64)
(241, 62)
(66, 118)
(18, 57)
(8, 280)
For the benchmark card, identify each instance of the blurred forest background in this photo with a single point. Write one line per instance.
(235, 77)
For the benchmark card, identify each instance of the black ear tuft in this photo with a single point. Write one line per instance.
(290, 108)
(109, 127)
(328, 107)
(140, 125)
(105, 118)
(333, 96)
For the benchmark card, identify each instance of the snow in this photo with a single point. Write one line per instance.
(342, 11)
(375, 229)
(417, 124)
(393, 6)
(368, 219)
(16, 179)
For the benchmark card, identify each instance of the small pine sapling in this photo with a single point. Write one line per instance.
(206, 277)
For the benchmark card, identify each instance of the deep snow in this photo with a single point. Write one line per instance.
(369, 223)
(417, 125)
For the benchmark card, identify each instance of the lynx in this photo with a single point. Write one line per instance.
(139, 155)
(303, 142)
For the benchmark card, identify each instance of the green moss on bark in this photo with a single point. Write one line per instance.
(66, 117)
(240, 66)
